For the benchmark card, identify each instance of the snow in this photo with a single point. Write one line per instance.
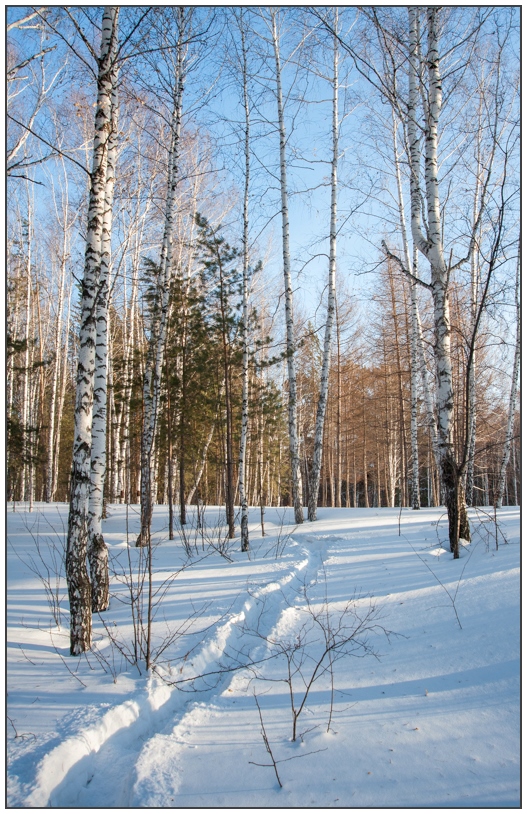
(425, 709)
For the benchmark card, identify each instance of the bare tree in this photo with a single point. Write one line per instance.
(314, 480)
(97, 550)
(79, 587)
(513, 394)
(65, 221)
(160, 307)
(296, 476)
(244, 520)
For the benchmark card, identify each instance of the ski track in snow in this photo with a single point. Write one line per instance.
(122, 750)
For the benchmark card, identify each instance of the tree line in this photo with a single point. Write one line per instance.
(160, 165)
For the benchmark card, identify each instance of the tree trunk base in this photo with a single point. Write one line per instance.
(244, 529)
(464, 525)
(143, 540)
(451, 487)
(299, 514)
(100, 580)
(79, 592)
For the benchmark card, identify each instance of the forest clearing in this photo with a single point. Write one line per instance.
(420, 709)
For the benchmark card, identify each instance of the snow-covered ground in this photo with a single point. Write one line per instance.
(415, 704)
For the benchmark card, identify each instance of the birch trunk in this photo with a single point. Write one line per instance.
(97, 550)
(124, 483)
(203, 462)
(296, 476)
(471, 401)
(244, 520)
(314, 479)
(415, 490)
(229, 473)
(512, 400)
(414, 357)
(182, 364)
(35, 395)
(64, 382)
(27, 229)
(432, 248)
(170, 459)
(52, 451)
(339, 415)
(79, 587)
(154, 365)
(182, 435)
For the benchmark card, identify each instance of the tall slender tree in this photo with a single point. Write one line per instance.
(79, 586)
(314, 479)
(160, 307)
(294, 451)
(242, 462)
(97, 550)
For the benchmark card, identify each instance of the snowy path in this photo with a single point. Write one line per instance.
(432, 722)
(97, 767)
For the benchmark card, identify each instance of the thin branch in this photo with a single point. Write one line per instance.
(48, 144)
(26, 19)
(403, 268)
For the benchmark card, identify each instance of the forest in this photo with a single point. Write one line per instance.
(260, 257)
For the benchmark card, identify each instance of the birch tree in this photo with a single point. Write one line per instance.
(244, 519)
(79, 587)
(425, 88)
(314, 479)
(142, 180)
(65, 221)
(513, 394)
(431, 246)
(294, 454)
(27, 233)
(97, 550)
(160, 308)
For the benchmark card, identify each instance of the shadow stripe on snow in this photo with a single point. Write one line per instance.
(63, 776)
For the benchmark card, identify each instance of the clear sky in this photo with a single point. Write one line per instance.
(366, 195)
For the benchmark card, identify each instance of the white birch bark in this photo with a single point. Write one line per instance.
(27, 230)
(182, 359)
(314, 479)
(415, 491)
(154, 365)
(97, 550)
(431, 247)
(474, 285)
(414, 357)
(65, 222)
(203, 461)
(12, 330)
(296, 476)
(35, 393)
(124, 484)
(52, 451)
(79, 587)
(117, 413)
(338, 501)
(64, 381)
(132, 333)
(244, 519)
(513, 395)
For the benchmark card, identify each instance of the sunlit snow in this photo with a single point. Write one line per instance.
(424, 710)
